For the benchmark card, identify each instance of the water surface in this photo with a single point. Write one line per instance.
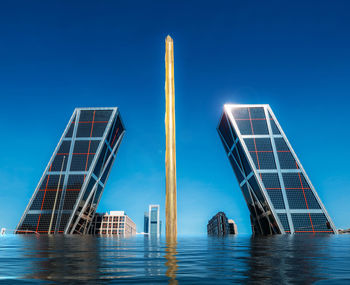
(192, 260)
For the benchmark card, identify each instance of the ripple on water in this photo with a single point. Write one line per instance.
(192, 260)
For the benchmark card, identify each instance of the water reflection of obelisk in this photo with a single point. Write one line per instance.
(170, 151)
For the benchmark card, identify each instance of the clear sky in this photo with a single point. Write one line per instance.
(58, 55)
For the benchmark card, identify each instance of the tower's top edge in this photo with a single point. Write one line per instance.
(96, 108)
(231, 106)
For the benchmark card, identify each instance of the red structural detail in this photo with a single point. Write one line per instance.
(307, 206)
(250, 119)
(42, 203)
(114, 137)
(87, 122)
(76, 153)
(269, 151)
(288, 188)
(60, 190)
(52, 231)
(314, 231)
(87, 155)
(256, 151)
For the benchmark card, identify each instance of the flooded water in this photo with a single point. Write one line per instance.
(192, 260)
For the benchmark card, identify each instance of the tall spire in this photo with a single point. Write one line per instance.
(170, 151)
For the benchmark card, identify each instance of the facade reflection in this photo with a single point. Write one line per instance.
(286, 259)
(153, 261)
(62, 258)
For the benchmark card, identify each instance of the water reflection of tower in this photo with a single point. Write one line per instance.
(286, 259)
(62, 258)
(152, 256)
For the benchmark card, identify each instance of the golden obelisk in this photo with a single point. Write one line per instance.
(170, 150)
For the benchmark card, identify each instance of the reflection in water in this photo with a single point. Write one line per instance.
(61, 258)
(171, 262)
(287, 259)
(152, 256)
(187, 260)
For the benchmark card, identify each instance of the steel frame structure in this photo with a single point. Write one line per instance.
(89, 145)
(279, 194)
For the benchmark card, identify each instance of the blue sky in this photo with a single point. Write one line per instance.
(58, 55)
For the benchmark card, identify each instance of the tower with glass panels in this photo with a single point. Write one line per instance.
(275, 186)
(67, 195)
(154, 223)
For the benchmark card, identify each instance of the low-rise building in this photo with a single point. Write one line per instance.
(232, 227)
(219, 225)
(114, 223)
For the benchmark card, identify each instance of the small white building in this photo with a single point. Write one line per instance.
(114, 223)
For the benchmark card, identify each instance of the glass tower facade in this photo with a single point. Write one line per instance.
(154, 225)
(68, 193)
(275, 186)
(145, 223)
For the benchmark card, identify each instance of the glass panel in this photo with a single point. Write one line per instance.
(274, 127)
(302, 222)
(115, 132)
(246, 193)
(224, 129)
(270, 181)
(70, 129)
(64, 148)
(84, 147)
(254, 185)
(261, 152)
(284, 221)
(251, 121)
(243, 158)
(236, 169)
(100, 160)
(70, 199)
(90, 186)
(75, 182)
(106, 172)
(299, 193)
(276, 198)
(81, 162)
(240, 113)
(64, 221)
(84, 130)
(44, 223)
(320, 222)
(37, 201)
(58, 162)
(29, 223)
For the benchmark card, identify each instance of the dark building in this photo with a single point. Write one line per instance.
(218, 225)
(68, 193)
(232, 227)
(145, 223)
(275, 186)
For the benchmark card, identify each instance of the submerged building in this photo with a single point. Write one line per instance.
(218, 225)
(115, 223)
(275, 186)
(68, 193)
(232, 227)
(145, 222)
(152, 223)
